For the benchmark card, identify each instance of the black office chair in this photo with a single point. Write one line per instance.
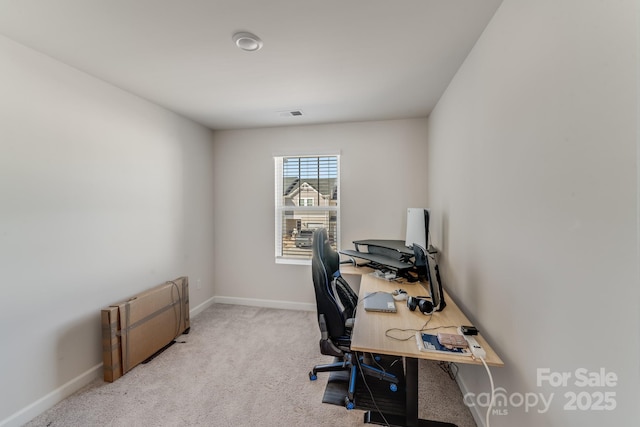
(336, 303)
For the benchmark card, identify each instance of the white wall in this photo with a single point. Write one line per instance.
(102, 195)
(533, 171)
(383, 171)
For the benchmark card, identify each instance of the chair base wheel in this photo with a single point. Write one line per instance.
(349, 404)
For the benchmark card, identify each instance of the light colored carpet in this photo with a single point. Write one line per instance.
(239, 366)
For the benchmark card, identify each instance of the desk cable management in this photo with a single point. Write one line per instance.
(387, 334)
(364, 380)
(413, 331)
(423, 329)
(491, 402)
(362, 375)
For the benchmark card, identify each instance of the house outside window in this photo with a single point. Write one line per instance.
(306, 198)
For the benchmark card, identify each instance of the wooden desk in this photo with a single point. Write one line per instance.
(356, 270)
(369, 337)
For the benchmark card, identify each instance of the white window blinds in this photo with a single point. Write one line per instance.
(307, 197)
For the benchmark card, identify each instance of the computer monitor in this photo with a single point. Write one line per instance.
(428, 269)
(435, 284)
(417, 227)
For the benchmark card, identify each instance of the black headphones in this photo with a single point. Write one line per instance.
(421, 303)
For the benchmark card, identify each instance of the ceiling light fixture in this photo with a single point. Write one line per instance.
(247, 41)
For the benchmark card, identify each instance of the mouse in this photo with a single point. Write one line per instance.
(400, 295)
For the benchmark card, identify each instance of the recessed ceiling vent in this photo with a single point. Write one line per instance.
(290, 113)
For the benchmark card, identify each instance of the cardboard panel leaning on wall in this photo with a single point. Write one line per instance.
(134, 330)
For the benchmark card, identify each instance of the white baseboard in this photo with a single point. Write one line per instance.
(478, 417)
(39, 406)
(267, 303)
(201, 307)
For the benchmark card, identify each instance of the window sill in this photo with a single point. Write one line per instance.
(293, 261)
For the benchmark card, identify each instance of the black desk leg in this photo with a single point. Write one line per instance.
(411, 412)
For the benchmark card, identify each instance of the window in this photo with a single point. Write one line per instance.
(307, 197)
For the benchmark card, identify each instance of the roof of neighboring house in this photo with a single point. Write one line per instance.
(324, 186)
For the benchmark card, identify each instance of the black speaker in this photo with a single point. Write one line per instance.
(421, 303)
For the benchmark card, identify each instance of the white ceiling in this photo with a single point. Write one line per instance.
(336, 60)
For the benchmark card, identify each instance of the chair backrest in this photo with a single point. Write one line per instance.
(334, 297)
